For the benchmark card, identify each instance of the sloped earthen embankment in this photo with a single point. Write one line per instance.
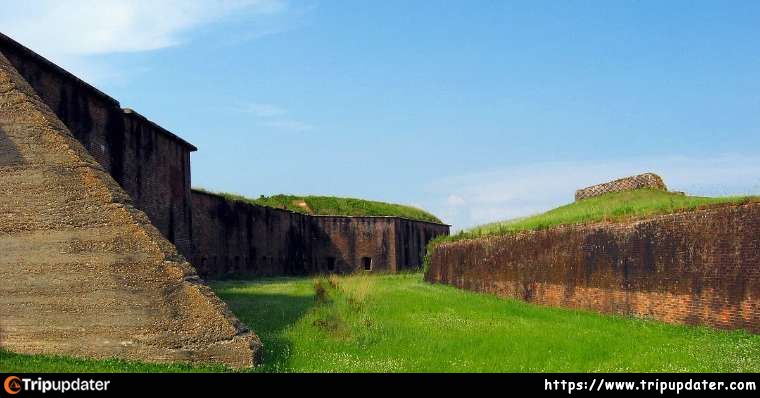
(83, 272)
(700, 267)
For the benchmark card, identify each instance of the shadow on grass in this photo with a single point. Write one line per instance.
(269, 315)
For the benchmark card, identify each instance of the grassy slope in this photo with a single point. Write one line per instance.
(400, 323)
(611, 207)
(334, 206)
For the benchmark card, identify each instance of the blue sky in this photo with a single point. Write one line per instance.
(474, 110)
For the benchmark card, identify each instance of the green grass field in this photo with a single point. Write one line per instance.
(617, 206)
(399, 323)
(333, 206)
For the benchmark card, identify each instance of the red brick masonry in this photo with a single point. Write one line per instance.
(700, 267)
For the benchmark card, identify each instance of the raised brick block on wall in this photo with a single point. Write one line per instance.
(700, 267)
(647, 180)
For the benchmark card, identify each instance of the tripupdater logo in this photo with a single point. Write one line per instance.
(12, 385)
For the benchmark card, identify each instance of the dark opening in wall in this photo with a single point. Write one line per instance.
(367, 263)
(331, 264)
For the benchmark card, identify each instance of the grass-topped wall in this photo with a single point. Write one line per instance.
(695, 264)
(334, 206)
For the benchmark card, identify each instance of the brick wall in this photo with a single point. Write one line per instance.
(156, 173)
(233, 237)
(647, 180)
(353, 243)
(700, 267)
(412, 238)
(150, 163)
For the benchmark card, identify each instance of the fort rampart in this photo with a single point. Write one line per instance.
(698, 267)
(234, 237)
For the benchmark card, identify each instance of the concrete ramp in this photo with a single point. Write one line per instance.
(82, 271)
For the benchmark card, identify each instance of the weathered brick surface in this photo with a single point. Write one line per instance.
(235, 237)
(699, 267)
(84, 272)
(349, 239)
(150, 163)
(647, 180)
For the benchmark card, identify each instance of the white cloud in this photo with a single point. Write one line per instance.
(455, 200)
(288, 125)
(72, 33)
(263, 110)
(88, 27)
(489, 196)
(274, 117)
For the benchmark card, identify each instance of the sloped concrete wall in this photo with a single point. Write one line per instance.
(84, 272)
(700, 267)
(149, 162)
